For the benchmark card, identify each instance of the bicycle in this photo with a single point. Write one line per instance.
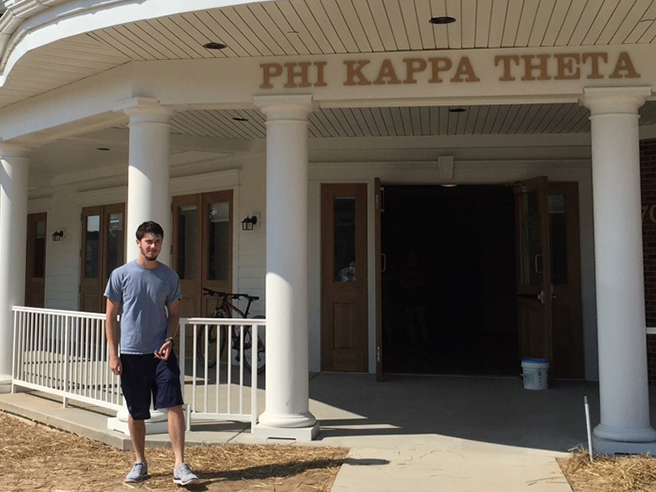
(225, 309)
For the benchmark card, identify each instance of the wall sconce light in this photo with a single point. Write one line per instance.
(248, 223)
(57, 236)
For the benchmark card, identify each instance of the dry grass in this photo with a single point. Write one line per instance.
(609, 473)
(37, 458)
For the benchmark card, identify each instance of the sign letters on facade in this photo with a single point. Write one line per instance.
(435, 70)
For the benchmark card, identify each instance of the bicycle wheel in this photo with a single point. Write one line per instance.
(216, 334)
(260, 359)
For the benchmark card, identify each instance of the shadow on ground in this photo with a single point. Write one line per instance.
(492, 410)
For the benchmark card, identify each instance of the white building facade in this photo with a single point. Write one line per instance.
(497, 147)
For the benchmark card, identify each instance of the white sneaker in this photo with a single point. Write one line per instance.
(182, 475)
(138, 473)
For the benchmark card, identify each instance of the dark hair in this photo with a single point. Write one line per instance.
(149, 227)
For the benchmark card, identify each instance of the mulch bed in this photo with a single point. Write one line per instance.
(609, 473)
(39, 458)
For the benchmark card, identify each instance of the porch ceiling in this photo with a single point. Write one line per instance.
(303, 27)
(248, 124)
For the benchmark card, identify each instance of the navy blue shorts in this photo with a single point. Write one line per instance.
(145, 375)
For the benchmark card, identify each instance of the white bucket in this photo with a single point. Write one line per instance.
(535, 372)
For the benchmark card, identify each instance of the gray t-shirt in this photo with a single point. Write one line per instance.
(144, 296)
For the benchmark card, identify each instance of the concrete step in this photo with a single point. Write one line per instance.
(91, 421)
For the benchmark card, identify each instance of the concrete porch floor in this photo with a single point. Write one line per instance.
(409, 433)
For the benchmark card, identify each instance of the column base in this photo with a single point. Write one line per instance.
(119, 425)
(623, 434)
(606, 446)
(298, 433)
(5, 384)
(158, 423)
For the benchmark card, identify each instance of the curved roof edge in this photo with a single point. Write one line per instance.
(26, 25)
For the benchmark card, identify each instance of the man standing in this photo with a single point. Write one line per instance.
(146, 293)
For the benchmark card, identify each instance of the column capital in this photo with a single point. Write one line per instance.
(145, 109)
(614, 100)
(297, 107)
(14, 150)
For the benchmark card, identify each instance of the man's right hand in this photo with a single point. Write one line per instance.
(115, 364)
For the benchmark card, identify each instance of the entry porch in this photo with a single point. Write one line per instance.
(432, 432)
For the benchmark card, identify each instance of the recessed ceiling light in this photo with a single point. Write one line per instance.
(457, 110)
(443, 19)
(103, 149)
(448, 185)
(214, 46)
(239, 118)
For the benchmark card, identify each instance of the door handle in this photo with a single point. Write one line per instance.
(536, 262)
(384, 266)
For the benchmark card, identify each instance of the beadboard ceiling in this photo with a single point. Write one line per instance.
(300, 27)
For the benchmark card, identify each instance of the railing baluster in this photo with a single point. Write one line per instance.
(32, 349)
(241, 368)
(229, 370)
(15, 352)
(217, 368)
(255, 351)
(206, 341)
(67, 365)
(219, 327)
(194, 364)
(103, 363)
(42, 350)
(94, 358)
(59, 348)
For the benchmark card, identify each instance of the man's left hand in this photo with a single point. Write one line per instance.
(164, 351)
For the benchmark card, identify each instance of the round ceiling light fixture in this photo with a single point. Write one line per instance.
(214, 46)
(442, 19)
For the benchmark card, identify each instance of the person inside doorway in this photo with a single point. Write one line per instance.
(413, 282)
(146, 293)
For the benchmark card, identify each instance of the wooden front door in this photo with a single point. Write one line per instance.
(534, 292)
(35, 274)
(103, 249)
(202, 248)
(344, 320)
(567, 322)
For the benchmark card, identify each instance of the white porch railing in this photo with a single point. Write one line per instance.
(227, 391)
(65, 353)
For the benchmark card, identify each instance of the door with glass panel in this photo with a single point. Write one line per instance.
(344, 320)
(202, 248)
(567, 317)
(35, 274)
(103, 249)
(534, 291)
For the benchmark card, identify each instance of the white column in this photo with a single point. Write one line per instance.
(287, 388)
(623, 387)
(148, 171)
(13, 238)
(148, 199)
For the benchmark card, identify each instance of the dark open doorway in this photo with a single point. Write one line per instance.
(449, 282)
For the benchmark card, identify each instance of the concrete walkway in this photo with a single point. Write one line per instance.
(410, 433)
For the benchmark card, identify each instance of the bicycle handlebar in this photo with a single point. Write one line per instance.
(210, 292)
